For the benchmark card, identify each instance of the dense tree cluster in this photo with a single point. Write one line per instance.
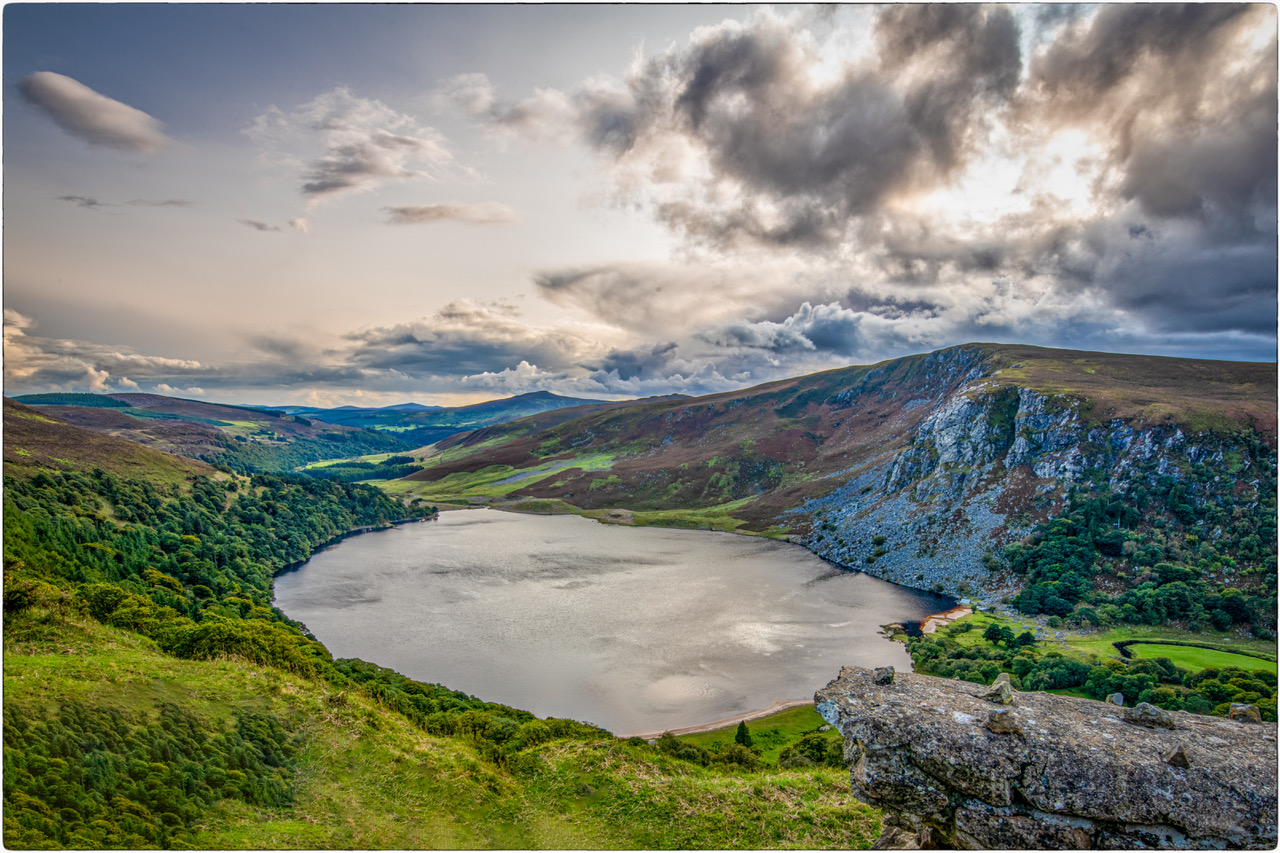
(1154, 680)
(89, 777)
(1196, 547)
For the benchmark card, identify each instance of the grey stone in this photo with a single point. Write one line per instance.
(884, 675)
(1116, 699)
(1244, 713)
(923, 752)
(1001, 690)
(1146, 714)
(1178, 758)
(1004, 721)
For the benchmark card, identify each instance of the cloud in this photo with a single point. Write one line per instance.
(465, 338)
(34, 363)
(362, 143)
(92, 117)
(84, 201)
(300, 224)
(823, 327)
(1184, 97)
(172, 202)
(487, 213)
(258, 225)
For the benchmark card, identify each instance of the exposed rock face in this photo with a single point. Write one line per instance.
(1049, 771)
(980, 454)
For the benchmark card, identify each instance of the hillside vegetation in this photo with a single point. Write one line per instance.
(239, 438)
(155, 698)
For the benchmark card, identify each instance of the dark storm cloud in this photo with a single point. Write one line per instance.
(809, 156)
(1189, 110)
(641, 363)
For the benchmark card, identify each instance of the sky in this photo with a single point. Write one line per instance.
(329, 204)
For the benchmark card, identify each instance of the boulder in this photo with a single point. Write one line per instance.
(1001, 691)
(945, 766)
(1244, 713)
(1146, 714)
(1116, 699)
(884, 675)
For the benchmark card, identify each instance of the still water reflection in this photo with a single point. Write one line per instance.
(634, 629)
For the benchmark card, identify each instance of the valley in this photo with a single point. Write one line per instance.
(1088, 506)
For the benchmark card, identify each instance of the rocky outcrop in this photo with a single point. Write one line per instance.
(956, 769)
(986, 459)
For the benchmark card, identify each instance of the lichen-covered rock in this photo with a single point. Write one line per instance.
(1146, 714)
(884, 675)
(1244, 713)
(1001, 691)
(923, 751)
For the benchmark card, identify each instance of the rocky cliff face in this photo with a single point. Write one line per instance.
(955, 768)
(988, 461)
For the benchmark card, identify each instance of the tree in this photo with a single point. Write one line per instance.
(743, 735)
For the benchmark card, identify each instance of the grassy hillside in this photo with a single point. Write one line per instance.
(34, 441)
(351, 773)
(776, 445)
(153, 697)
(239, 437)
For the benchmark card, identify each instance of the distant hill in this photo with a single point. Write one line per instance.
(911, 469)
(34, 442)
(241, 437)
(421, 425)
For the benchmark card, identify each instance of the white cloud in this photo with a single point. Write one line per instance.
(363, 144)
(95, 118)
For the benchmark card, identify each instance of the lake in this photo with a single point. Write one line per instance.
(635, 629)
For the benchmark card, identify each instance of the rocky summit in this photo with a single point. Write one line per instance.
(950, 766)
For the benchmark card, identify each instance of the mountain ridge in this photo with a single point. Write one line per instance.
(944, 457)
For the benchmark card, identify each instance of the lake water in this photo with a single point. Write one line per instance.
(633, 629)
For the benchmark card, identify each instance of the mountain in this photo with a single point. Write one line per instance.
(420, 425)
(240, 437)
(920, 469)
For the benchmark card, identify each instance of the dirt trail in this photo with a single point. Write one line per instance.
(726, 722)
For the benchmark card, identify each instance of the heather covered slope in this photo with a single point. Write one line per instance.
(918, 469)
(240, 437)
(35, 441)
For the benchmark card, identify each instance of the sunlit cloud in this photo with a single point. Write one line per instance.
(362, 144)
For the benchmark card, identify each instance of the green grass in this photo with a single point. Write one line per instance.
(1101, 642)
(1192, 658)
(368, 779)
(716, 517)
(772, 733)
(495, 482)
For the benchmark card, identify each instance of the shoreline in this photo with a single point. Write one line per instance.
(715, 725)
(937, 620)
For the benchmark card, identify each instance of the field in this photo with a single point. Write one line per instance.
(1227, 650)
(771, 733)
(1193, 658)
